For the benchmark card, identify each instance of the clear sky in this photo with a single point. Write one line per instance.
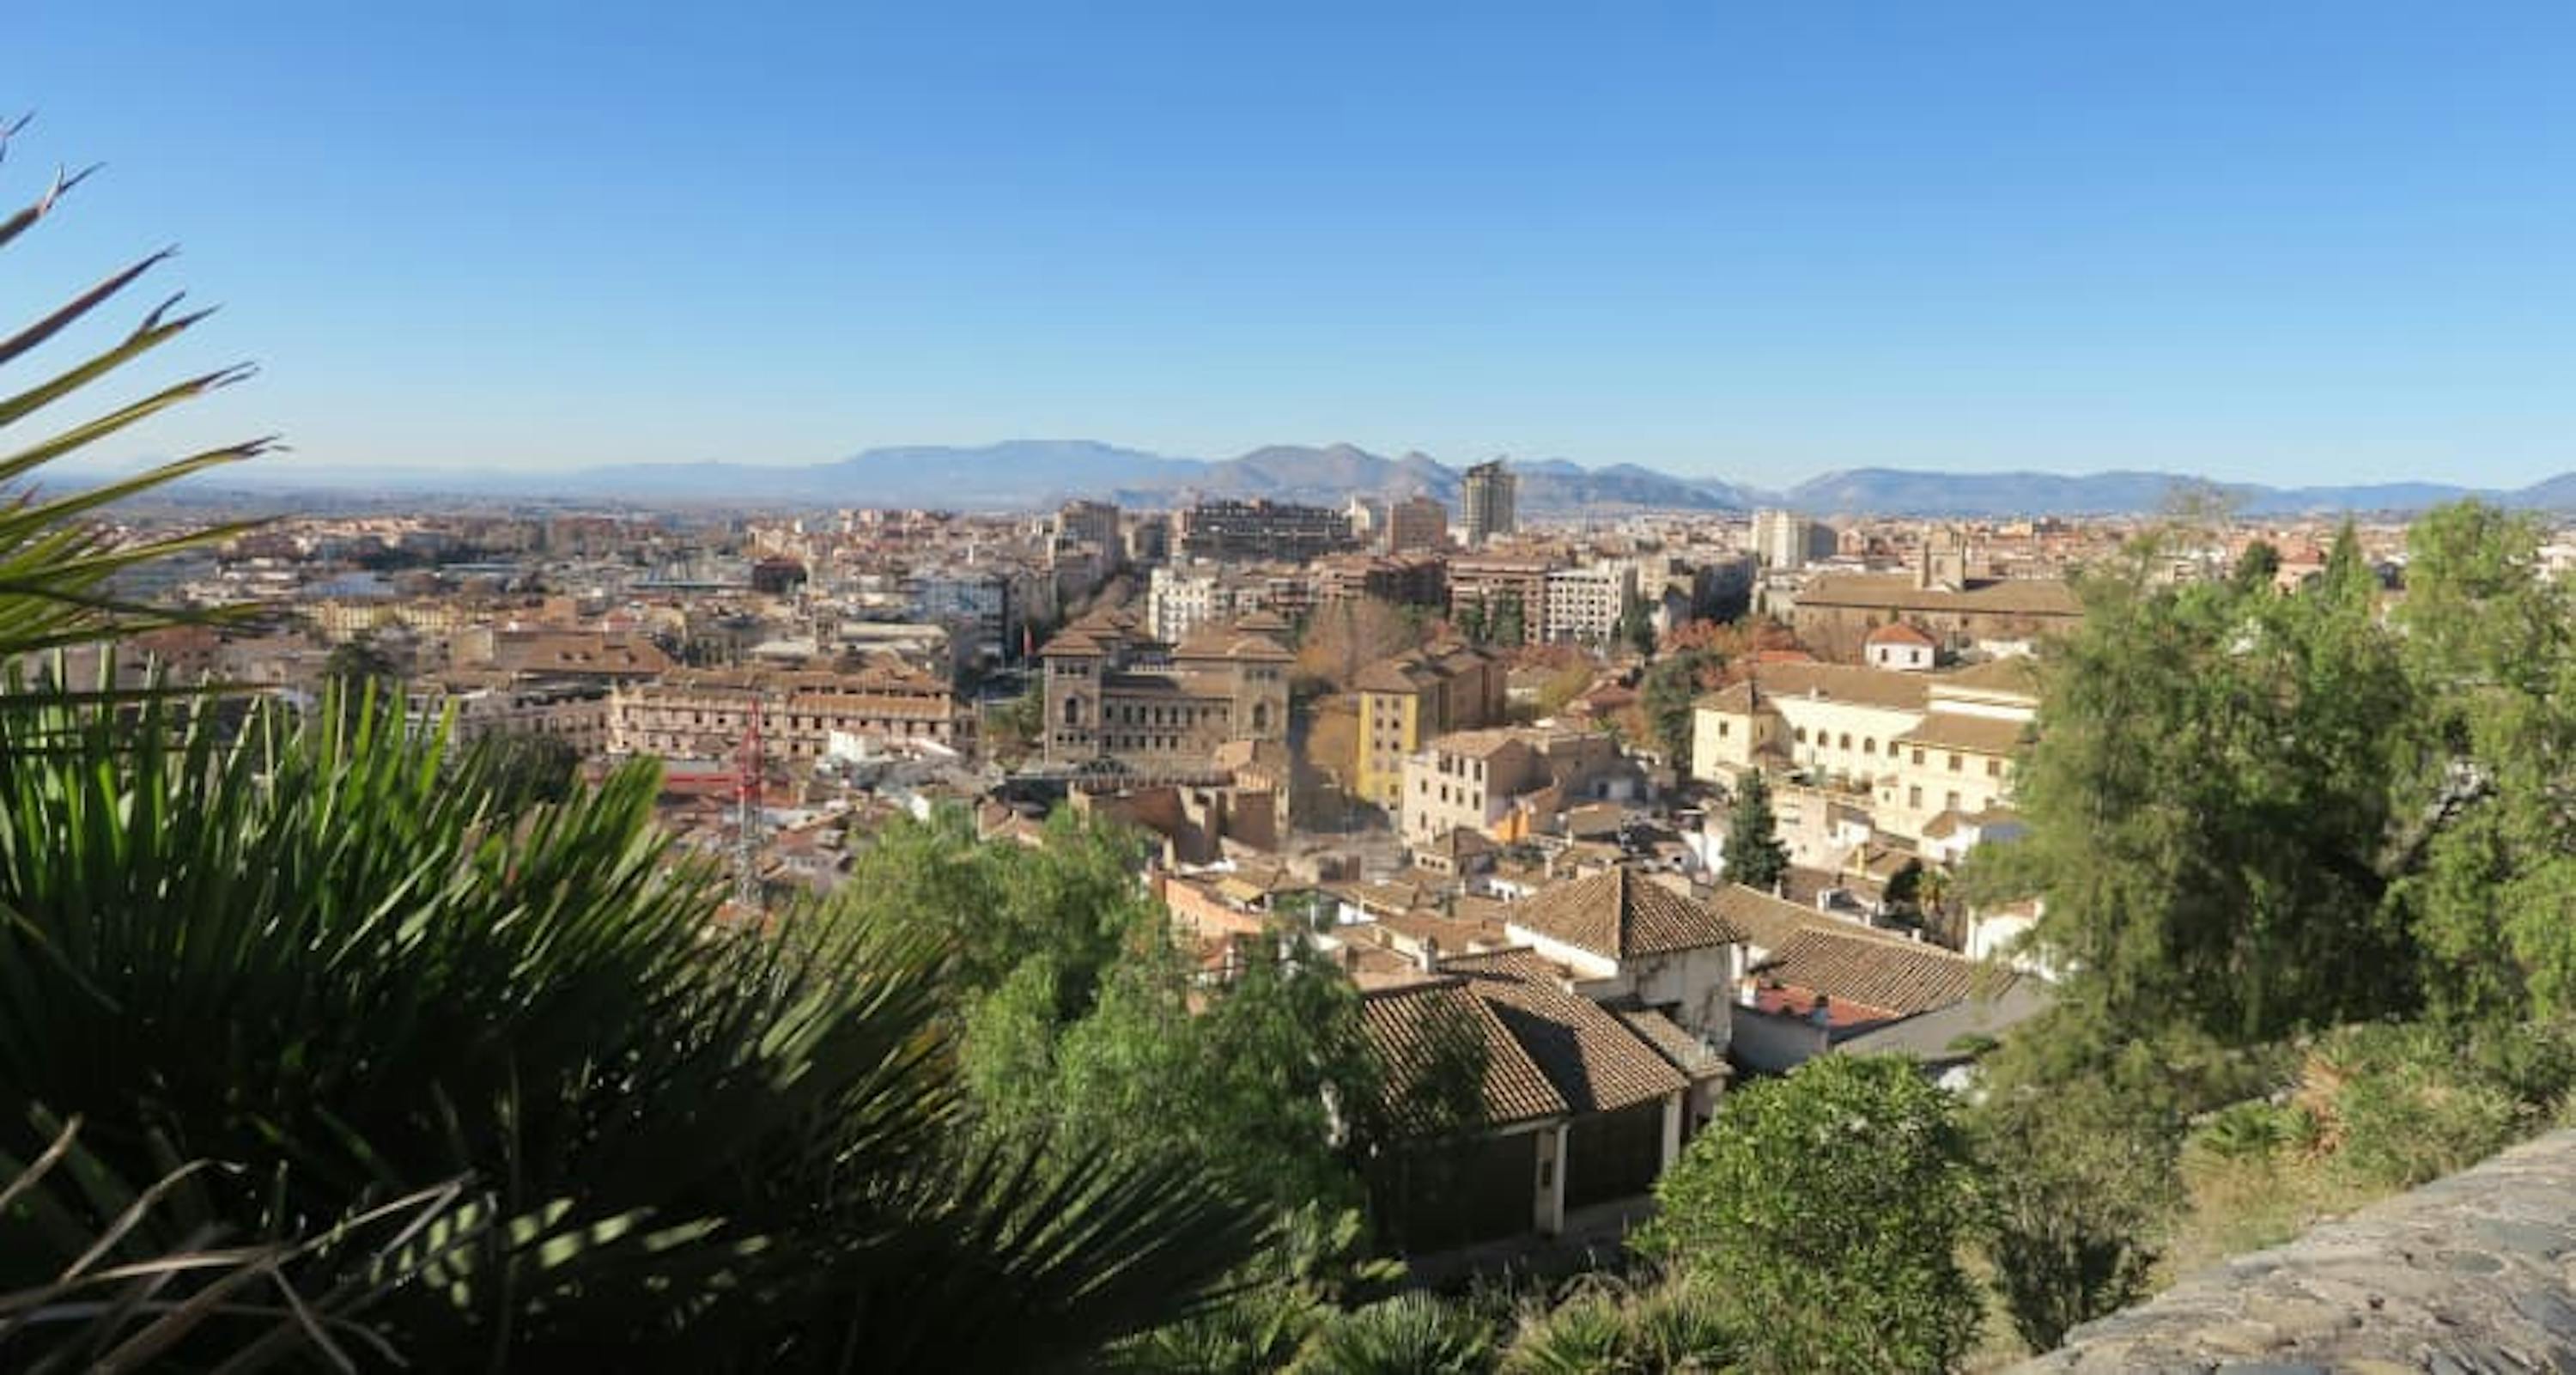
(2286, 242)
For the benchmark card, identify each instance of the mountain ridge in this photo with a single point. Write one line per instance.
(1028, 474)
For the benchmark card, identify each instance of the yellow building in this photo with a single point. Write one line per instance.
(1407, 700)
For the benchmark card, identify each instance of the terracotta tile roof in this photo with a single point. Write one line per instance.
(1734, 698)
(1904, 977)
(2018, 676)
(1869, 687)
(1399, 1021)
(1479, 744)
(1595, 1062)
(2025, 596)
(1618, 915)
(1461, 843)
(578, 652)
(1680, 1049)
(1768, 923)
(1956, 730)
(1900, 633)
(1393, 675)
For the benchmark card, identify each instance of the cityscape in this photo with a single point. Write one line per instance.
(2063, 863)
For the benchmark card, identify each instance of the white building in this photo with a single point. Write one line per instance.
(1786, 540)
(1583, 605)
(1921, 753)
(1181, 599)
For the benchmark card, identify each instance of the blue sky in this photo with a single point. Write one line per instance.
(2277, 241)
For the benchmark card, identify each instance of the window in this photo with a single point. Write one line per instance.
(1914, 798)
(1918, 756)
(1802, 735)
(1724, 730)
(1845, 742)
(1994, 768)
(1869, 744)
(1955, 762)
(1073, 711)
(1951, 802)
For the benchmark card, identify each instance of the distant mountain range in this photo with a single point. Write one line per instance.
(1029, 474)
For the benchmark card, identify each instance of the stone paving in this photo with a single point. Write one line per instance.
(2468, 1275)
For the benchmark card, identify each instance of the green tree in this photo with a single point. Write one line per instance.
(2257, 566)
(1755, 856)
(1667, 694)
(2487, 843)
(1830, 1206)
(1470, 621)
(2079, 1183)
(2210, 805)
(1637, 626)
(1510, 620)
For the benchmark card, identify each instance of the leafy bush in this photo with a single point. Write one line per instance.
(1830, 1206)
(2256, 1129)
(1586, 1333)
(1410, 1334)
(1605, 1328)
(1680, 1326)
(311, 951)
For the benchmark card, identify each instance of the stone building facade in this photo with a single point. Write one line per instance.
(704, 714)
(1114, 693)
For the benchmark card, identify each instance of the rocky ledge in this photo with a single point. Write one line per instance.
(2473, 1273)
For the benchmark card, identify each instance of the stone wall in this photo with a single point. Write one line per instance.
(2474, 1273)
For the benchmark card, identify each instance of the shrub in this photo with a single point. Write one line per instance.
(1410, 1334)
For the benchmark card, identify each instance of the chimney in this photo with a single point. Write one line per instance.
(1429, 955)
(1821, 1015)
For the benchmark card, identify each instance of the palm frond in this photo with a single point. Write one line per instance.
(56, 562)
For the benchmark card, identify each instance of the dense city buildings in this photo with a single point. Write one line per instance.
(1490, 502)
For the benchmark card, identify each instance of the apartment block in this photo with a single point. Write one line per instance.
(1414, 696)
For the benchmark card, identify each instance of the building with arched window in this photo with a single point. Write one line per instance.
(1116, 693)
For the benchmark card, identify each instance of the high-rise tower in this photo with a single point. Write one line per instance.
(1491, 501)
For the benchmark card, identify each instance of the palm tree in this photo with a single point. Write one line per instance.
(57, 560)
(416, 1066)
